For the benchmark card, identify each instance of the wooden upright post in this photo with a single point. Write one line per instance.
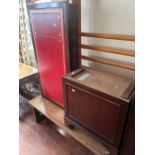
(78, 3)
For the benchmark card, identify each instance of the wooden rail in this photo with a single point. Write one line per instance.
(124, 66)
(109, 36)
(109, 50)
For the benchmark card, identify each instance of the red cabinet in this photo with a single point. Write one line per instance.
(49, 24)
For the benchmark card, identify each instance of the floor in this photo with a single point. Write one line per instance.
(46, 138)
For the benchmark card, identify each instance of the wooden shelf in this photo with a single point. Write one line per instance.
(56, 114)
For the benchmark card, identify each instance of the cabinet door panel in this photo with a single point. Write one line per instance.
(48, 31)
(47, 22)
(93, 112)
(52, 66)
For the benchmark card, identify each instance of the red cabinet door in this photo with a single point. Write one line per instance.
(48, 22)
(51, 51)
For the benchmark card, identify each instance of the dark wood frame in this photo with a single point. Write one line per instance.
(128, 140)
(78, 4)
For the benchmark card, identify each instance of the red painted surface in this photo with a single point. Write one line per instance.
(48, 23)
(51, 52)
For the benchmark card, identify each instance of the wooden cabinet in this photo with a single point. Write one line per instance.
(98, 102)
(128, 140)
(54, 47)
(100, 115)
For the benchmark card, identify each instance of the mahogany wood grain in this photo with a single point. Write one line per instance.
(124, 66)
(56, 114)
(109, 50)
(109, 36)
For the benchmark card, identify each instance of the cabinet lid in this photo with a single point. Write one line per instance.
(108, 83)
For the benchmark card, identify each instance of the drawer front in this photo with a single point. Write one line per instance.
(47, 22)
(94, 112)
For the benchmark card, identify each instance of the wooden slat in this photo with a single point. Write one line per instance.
(109, 50)
(56, 114)
(109, 36)
(108, 63)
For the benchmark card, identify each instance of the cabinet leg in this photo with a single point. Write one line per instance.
(69, 124)
(38, 116)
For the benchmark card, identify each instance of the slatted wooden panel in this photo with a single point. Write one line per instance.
(124, 52)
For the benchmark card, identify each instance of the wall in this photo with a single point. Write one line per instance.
(108, 16)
